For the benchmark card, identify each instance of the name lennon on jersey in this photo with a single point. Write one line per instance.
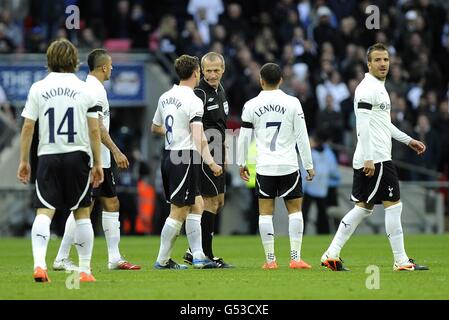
(270, 108)
(55, 92)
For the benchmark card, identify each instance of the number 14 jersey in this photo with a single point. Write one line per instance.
(60, 103)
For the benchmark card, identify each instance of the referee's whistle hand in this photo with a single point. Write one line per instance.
(368, 168)
(216, 169)
(24, 172)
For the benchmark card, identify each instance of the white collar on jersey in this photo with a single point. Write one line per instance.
(370, 76)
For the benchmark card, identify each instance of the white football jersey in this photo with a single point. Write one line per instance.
(279, 125)
(60, 103)
(176, 109)
(371, 93)
(98, 91)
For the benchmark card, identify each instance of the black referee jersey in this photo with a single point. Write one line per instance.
(216, 108)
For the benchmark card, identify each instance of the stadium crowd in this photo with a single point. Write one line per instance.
(319, 44)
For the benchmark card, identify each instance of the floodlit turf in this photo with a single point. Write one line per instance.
(247, 281)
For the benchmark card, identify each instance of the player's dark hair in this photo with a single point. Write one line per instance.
(62, 56)
(185, 65)
(97, 58)
(375, 47)
(271, 73)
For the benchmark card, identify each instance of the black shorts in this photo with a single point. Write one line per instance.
(181, 180)
(210, 185)
(287, 187)
(63, 181)
(383, 186)
(107, 188)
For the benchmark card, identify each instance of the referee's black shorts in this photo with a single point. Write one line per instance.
(210, 185)
(383, 186)
(63, 181)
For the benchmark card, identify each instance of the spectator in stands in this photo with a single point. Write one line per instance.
(6, 43)
(430, 159)
(441, 126)
(325, 165)
(120, 25)
(212, 8)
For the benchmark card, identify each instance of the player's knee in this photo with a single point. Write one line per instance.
(111, 204)
(366, 211)
(211, 204)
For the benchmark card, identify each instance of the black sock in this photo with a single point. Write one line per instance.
(207, 229)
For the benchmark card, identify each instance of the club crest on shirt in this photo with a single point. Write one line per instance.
(384, 106)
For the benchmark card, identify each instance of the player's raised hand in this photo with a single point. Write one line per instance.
(121, 160)
(97, 176)
(24, 172)
(310, 174)
(417, 146)
(244, 173)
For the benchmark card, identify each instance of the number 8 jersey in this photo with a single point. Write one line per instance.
(60, 103)
(279, 125)
(177, 108)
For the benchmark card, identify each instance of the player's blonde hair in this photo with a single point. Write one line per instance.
(62, 56)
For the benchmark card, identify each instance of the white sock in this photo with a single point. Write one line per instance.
(266, 231)
(193, 232)
(40, 234)
(168, 237)
(347, 226)
(67, 239)
(295, 232)
(393, 228)
(111, 229)
(84, 242)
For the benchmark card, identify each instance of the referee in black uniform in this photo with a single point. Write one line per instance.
(216, 111)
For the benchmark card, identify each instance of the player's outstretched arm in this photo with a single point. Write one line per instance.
(119, 157)
(26, 137)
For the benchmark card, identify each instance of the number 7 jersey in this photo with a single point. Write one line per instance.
(279, 125)
(60, 103)
(177, 108)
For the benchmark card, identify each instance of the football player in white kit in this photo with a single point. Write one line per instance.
(68, 129)
(100, 67)
(279, 126)
(375, 179)
(179, 119)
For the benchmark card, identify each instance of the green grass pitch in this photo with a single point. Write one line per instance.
(246, 281)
